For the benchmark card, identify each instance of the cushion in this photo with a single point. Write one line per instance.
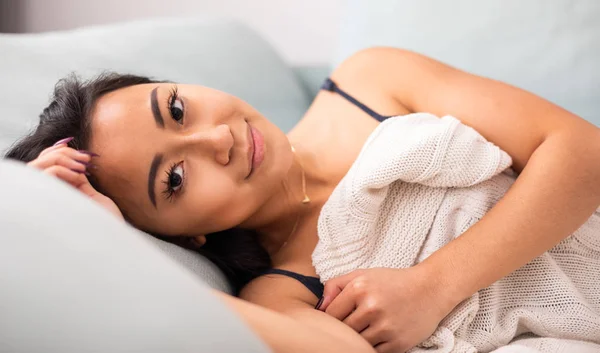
(551, 48)
(219, 54)
(76, 279)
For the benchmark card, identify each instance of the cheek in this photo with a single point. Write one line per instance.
(217, 203)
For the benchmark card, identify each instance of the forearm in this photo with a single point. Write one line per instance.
(291, 335)
(555, 194)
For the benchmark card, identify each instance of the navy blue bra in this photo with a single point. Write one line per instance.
(314, 283)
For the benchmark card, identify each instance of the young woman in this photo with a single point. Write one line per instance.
(200, 167)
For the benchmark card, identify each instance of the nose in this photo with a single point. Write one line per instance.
(217, 140)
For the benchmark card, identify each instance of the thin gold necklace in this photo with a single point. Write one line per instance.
(306, 198)
(304, 201)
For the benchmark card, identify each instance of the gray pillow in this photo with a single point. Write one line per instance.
(223, 55)
(73, 278)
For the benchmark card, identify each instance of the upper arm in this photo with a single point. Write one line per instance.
(515, 120)
(290, 298)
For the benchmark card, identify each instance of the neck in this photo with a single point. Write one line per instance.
(286, 207)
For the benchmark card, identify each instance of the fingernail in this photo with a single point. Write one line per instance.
(318, 306)
(65, 140)
(88, 165)
(88, 153)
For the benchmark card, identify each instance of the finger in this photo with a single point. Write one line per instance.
(357, 320)
(68, 159)
(372, 335)
(58, 144)
(86, 188)
(387, 347)
(75, 178)
(343, 305)
(335, 286)
(52, 148)
(60, 157)
(73, 164)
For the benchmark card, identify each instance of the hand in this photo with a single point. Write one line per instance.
(393, 309)
(71, 166)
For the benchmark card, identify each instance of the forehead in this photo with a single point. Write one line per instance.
(120, 108)
(123, 129)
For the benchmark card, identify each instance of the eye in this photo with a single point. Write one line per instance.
(174, 180)
(176, 106)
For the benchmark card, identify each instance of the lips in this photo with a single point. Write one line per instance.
(256, 149)
(250, 151)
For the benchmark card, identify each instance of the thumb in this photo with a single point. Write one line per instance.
(335, 286)
(86, 188)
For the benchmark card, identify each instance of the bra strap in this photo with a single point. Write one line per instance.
(331, 86)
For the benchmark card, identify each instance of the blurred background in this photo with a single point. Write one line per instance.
(303, 32)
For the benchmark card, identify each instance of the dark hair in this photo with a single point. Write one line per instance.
(235, 251)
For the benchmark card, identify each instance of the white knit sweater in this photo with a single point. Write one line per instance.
(421, 181)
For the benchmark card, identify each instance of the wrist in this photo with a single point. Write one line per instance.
(446, 293)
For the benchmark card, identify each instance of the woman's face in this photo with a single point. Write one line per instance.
(178, 159)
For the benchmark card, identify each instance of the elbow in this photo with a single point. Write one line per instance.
(591, 159)
(581, 145)
(578, 151)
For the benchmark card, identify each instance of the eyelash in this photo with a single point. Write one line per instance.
(173, 98)
(169, 192)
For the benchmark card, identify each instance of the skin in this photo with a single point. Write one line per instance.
(554, 151)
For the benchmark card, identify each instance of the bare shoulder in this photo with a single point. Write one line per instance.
(393, 70)
(364, 59)
(366, 75)
(373, 64)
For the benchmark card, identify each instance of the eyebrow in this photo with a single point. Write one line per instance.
(152, 177)
(160, 122)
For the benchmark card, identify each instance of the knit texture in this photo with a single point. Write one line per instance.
(419, 182)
